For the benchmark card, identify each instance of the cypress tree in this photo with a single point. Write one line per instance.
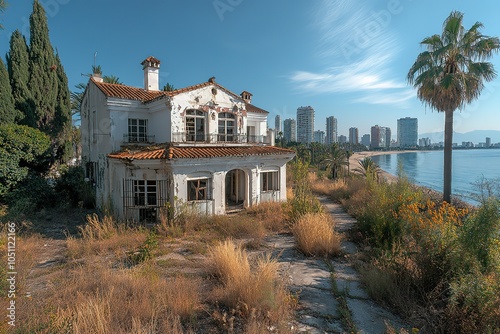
(8, 114)
(63, 120)
(43, 79)
(17, 65)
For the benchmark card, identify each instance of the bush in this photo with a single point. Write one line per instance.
(316, 236)
(303, 201)
(31, 195)
(71, 187)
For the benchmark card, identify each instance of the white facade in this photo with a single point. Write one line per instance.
(201, 146)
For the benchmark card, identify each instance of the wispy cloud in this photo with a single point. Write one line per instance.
(358, 47)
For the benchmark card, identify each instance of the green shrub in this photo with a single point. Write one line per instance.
(71, 188)
(31, 195)
(303, 201)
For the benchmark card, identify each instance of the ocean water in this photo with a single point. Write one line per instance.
(426, 168)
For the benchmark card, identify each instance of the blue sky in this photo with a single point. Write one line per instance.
(345, 58)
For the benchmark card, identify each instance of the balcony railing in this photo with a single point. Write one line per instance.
(183, 137)
(129, 138)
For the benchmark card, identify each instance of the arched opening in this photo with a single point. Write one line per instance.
(235, 189)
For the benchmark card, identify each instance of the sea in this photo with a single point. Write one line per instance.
(425, 168)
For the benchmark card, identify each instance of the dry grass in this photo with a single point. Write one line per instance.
(100, 236)
(270, 214)
(316, 236)
(249, 288)
(95, 299)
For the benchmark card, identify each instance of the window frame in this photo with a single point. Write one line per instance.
(145, 193)
(195, 132)
(135, 135)
(269, 181)
(194, 186)
(228, 133)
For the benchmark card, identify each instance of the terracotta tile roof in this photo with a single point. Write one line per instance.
(198, 152)
(251, 108)
(150, 59)
(127, 92)
(145, 96)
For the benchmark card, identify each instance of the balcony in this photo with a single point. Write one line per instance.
(183, 137)
(138, 139)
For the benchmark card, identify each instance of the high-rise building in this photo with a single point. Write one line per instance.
(365, 140)
(424, 142)
(388, 136)
(342, 139)
(488, 142)
(353, 136)
(319, 136)
(277, 124)
(380, 137)
(331, 130)
(290, 130)
(305, 124)
(407, 132)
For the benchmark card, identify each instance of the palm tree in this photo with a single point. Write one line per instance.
(451, 74)
(335, 160)
(112, 79)
(368, 168)
(168, 87)
(76, 100)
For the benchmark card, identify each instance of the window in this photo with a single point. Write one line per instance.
(227, 127)
(195, 125)
(137, 130)
(269, 181)
(198, 190)
(145, 192)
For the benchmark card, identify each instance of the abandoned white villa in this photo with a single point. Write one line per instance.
(202, 145)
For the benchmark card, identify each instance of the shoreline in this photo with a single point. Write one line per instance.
(357, 156)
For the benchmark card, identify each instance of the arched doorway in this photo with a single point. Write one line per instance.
(235, 189)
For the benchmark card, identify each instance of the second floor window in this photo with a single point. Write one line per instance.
(195, 125)
(227, 126)
(137, 130)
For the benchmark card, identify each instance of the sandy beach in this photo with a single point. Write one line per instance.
(358, 156)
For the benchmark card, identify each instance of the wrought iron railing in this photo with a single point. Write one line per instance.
(183, 137)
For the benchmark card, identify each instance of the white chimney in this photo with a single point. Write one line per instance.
(151, 67)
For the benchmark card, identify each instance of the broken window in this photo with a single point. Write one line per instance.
(198, 190)
(269, 181)
(227, 126)
(137, 130)
(195, 125)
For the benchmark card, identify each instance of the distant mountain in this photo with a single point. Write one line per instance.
(477, 136)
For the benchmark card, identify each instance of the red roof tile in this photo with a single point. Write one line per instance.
(140, 94)
(198, 152)
(127, 92)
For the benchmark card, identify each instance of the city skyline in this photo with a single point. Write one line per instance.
(348, 58)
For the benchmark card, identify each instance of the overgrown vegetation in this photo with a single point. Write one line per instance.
(436, 263)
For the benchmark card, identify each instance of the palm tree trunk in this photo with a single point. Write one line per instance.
(448, 140)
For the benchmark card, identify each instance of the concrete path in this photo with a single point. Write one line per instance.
(327, 287)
